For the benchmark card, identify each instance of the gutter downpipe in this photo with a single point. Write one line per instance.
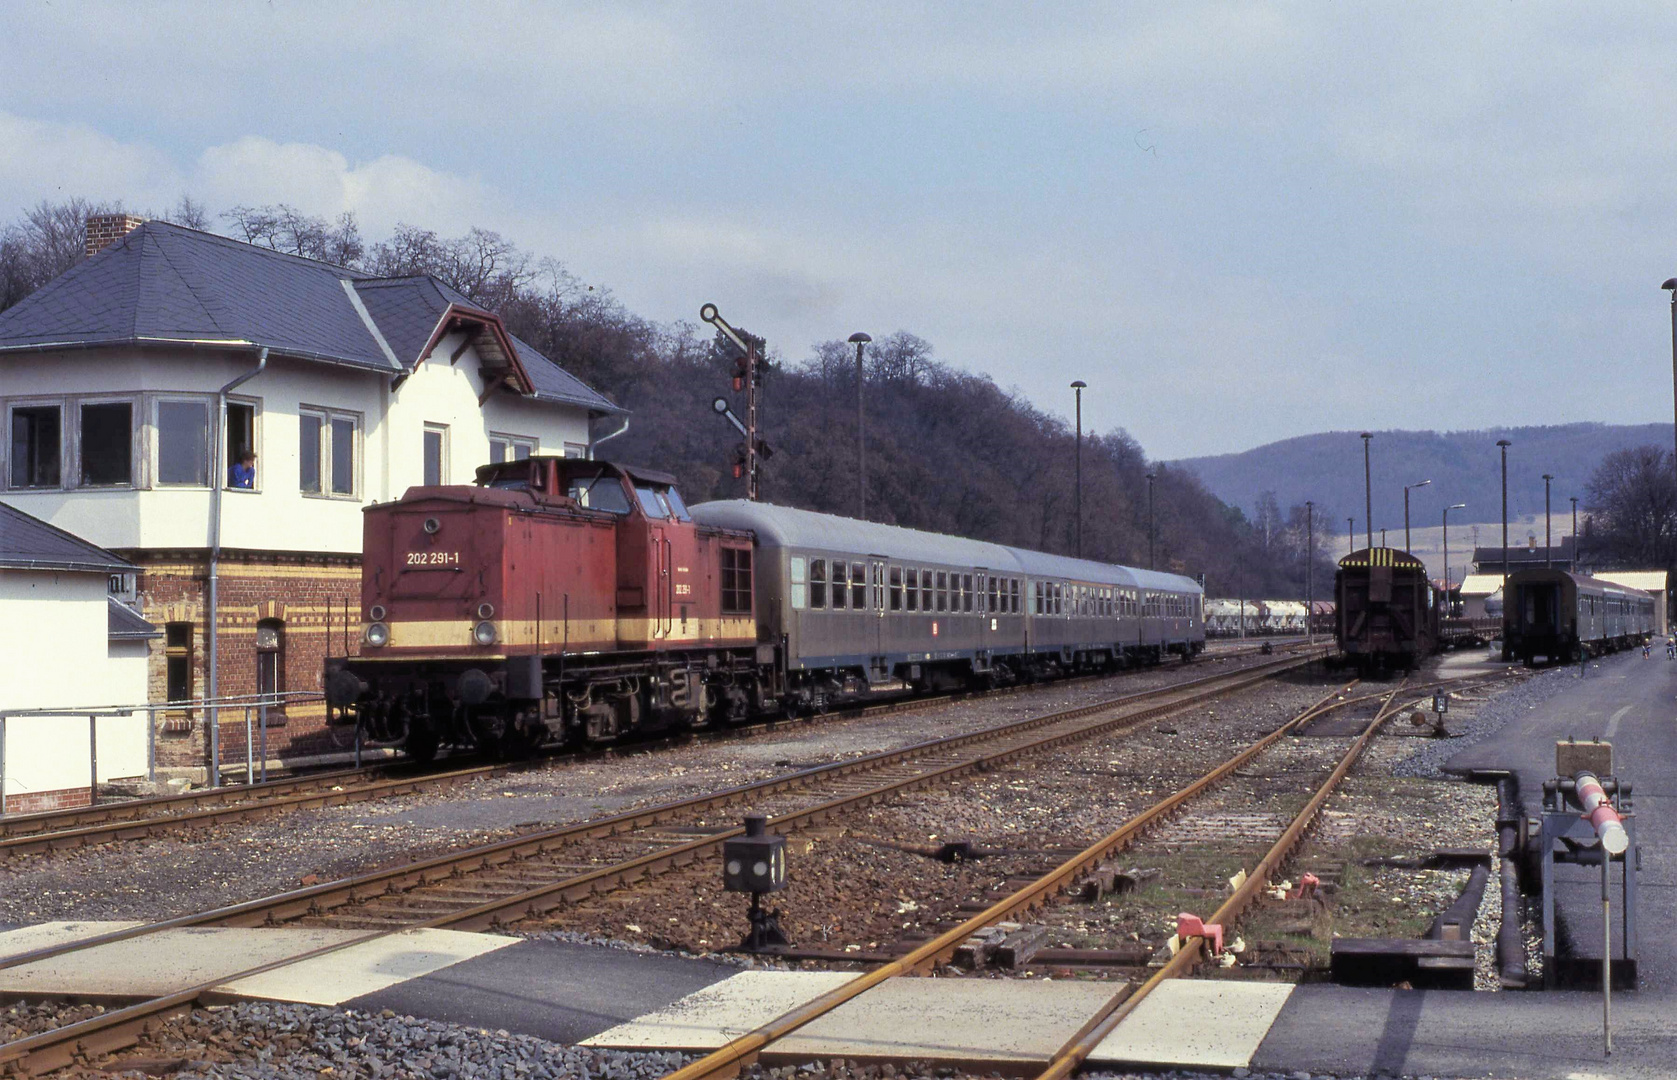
(607, 438)
(218, 478)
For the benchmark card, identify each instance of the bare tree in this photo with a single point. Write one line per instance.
(46, 241)
(484, 266)
(1632, 502)
(285, 228)
(190, 213)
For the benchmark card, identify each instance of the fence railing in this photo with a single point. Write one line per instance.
(254, 708)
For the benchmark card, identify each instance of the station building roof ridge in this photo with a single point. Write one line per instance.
(787, 526)
(165, 284)
(28, 543)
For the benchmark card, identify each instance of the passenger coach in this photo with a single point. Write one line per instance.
(1559, 616)
(860, 607)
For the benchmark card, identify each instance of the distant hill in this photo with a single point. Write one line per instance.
(1464, 467)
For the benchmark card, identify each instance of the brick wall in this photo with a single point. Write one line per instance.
(35, 802)
(103, 230)
(309, 597)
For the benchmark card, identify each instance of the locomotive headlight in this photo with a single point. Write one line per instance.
(484, 633)
(378, 634)
(486, 611)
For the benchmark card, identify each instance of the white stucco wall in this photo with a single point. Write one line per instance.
(54, 633)
(276, 515)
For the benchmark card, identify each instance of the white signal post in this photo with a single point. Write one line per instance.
(710, 315)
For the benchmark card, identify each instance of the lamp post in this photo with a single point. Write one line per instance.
(1671, 284)
(1150, 478)
(1450, 607)
(1350, 535)
(1574, 533)
(1548, 550)
(860, 339)
(1077, 388)
(1368, 490)
(1406, 488)
(1504, 444)
(1309, 570)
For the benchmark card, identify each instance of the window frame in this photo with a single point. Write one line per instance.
(858, 586)
(154, 411)
(74, 406)
(358, 446)
(64, 470)
(441, 432)
(254, 404)
(818, 584)
(530, 444)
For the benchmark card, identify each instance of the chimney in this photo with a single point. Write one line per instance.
(103, 230)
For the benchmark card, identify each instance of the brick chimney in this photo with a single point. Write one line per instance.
(103, 230)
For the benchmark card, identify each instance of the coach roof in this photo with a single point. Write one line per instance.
(783, 526)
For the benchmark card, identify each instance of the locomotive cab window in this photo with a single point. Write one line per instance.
(652, 501)
(599, 491)
(736, 581)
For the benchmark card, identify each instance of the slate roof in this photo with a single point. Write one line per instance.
(164, 284)
(123, 623)
(28, 543)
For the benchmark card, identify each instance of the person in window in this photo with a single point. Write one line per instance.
(242, 474)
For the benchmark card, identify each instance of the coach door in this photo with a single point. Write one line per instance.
(879, 668)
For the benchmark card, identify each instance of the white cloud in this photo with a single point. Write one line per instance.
(258, 171)
(56, 161)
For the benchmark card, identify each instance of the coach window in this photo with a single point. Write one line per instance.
(896, 588)
(858, 587)
(911, 590)
(942, 590)
(107, 444)
(966, 592)
(818, 583)
(736, 581)
(925, 590)
(841, 589)
(796, 567)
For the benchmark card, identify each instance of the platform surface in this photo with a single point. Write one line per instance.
(172, 960)
(1195, 1023)
(972, 1020)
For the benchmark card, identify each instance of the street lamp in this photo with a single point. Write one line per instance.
(1548, 551)
(1150, 478)
(1309, 569)
(1077, 387)
(1504, 444)
(1671, 284)
(1350, 535)
(1574, 533)
(860, 339)
(1450, 607)
(1368, 491)
(1406, 488)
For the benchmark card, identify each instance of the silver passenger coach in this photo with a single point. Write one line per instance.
(858, 607)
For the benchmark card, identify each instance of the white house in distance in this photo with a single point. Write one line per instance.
(131, 385)
(68, 643)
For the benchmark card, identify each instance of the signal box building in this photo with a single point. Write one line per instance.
(134, 386)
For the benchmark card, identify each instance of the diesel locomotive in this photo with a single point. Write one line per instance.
(575, 601)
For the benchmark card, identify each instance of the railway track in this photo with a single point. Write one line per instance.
(502, 883)
(133, 819)
(728, 1060)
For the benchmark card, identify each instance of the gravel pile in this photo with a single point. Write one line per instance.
(1487, 718)
(264, 1040)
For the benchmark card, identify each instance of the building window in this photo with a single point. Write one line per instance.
(327, 452)
(436, 455)
(107, 443)
(37, 432)
(512, 447)
(736, 581)
(270, 659)
(183, 443)
(241, 440)
(576, 450)
(177, 661)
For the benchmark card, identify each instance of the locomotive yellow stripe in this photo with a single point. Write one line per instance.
(457, 633)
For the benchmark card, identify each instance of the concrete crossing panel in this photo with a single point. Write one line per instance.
(1195, 1023)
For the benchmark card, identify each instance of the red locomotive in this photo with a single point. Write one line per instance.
(558, 600)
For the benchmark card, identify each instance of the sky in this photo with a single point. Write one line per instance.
(1236, 222)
